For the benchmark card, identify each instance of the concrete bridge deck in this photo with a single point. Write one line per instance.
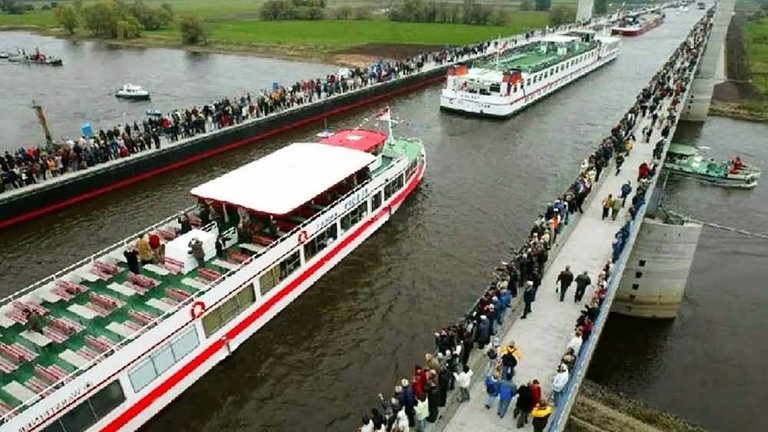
(543, 336)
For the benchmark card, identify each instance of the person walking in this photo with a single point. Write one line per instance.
(528, 297)
(464, 379)
(491, 389)
(619, 163)
(565, 278)
(615, 207)
(507, 391)
(541, 415)
(524, 404)
(626, 189)
(558, 384)
(575, 342)
(607, 204)
(582, 282)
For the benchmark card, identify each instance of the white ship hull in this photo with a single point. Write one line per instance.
(504, 106)
(140, 406)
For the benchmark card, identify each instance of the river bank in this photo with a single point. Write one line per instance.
(598, 408)
(741, 96)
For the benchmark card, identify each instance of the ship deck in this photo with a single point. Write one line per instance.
(93, 308)
(530, 59)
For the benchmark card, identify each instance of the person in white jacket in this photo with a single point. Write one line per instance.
(422, 412)
(575, 342)
(559, 383)
(463, 380)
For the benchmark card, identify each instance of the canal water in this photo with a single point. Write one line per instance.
(83, 90)
(319, 364)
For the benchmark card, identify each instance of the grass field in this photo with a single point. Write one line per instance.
(756, 45)
(234, 23)
(332, 34)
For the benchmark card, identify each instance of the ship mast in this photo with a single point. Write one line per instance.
(43, 123)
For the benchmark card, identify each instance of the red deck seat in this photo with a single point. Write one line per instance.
(88, 353)
(177, 294)
(194, 220)
(141, 317)
(132, 325)
(98, 309)
(30, 305)
(5, 408)
(6, 366)
(166, 234)
(239, 257)
(100, 344)
(142, 280)
(107, 267)
(208, 274)
(262, 240)
(66, 326)
(36, 385)
(105, 301)
(54, 335)
(63, 293)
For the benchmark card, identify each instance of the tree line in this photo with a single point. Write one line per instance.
(468, 12)
(113, 19)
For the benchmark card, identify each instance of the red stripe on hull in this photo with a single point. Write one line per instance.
(126, 182)
(178, 376)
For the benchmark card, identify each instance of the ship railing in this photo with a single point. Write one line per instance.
(89, 260)
(115, 348)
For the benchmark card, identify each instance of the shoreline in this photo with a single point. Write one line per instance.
(736, 110)
(281, 52)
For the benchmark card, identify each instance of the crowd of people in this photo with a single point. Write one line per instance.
(416, 401)
(32, 165)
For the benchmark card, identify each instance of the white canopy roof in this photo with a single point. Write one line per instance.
(286, 179)
(557, 38)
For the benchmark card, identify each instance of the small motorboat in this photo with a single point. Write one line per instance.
(3, 54)
(685, 160)
(132, 92)
(154, 113)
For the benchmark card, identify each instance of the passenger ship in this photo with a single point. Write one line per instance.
(635, 25)
(98, 347)
(526, 74)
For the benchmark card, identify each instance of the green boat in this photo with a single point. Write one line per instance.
(685, 160)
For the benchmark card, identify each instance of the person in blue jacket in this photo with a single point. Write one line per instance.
(491, 389)
(507, 390)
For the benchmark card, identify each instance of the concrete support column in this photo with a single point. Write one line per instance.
(700, 96)
(584, 11)
(656, 273)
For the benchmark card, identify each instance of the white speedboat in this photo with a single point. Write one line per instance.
(130, 91)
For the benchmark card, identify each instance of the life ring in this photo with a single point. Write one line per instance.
(303, 236)
(197, 310)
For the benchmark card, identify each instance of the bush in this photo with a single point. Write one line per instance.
(560, 15)
(192, 31)
(151, 18)
(361, 13)
(543, 5)
(309, 13)
(11, 7)
(343, 13)
(275, 10)
(101, 18)
(470, 12)
(128, 28)
(67, 17)
(526, 5)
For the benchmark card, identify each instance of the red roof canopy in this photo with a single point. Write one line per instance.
(357, 139)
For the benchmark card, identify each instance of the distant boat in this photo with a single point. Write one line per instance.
(133, 92)
(36, 58)
(685, 160)
(3, 54)
(154, 113)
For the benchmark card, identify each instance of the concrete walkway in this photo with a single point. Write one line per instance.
(544, 334)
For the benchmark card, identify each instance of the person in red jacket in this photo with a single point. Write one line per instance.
(643, 170)
(536, 392)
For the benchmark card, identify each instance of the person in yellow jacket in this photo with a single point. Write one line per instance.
(144, 250)
(540, 414)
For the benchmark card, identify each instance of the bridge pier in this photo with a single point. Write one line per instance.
(654, 278)
(700, 95)
(584, 10)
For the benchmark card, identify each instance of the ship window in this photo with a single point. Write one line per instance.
(91, 411)
(54, 427)
(321, 241)
(164, 357)
(354, 216)
(107, 399)
(495, 88)
(392, 187)
(217, 318)
(79, 419)
(269, 279)
(528, 82)
(376, 201)
(289, 265)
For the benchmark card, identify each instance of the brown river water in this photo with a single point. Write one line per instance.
(319, 364)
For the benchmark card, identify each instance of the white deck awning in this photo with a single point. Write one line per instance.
(286, 179)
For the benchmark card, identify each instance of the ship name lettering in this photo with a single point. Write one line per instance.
(54, 409)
